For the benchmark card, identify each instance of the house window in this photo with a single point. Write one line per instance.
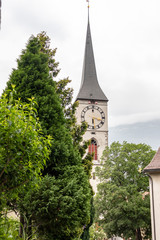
(93, 148)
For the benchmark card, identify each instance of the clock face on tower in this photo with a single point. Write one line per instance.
(94, 116)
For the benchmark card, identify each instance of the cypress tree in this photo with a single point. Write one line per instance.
(34, 78)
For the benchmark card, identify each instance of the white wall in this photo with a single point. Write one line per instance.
(155, 205)
(100, 134)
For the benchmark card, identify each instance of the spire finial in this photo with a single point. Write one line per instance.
(88, 3)
(88, 9)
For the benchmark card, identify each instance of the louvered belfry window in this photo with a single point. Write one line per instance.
(93, 148)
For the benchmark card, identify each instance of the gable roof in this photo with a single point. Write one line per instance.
(154, 165)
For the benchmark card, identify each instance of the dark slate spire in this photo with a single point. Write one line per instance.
(90, 88)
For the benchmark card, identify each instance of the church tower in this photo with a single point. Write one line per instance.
(92, 107)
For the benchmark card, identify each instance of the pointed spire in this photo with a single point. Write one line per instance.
(90, 88)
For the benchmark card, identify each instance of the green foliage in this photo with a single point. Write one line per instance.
(63, 91)
(44, 41)
(23, 149)
(121, 199)
(9, 229)
(97, 232)
(64, 190)
(86, 233)
(32, 79)
(65, 95)
(60, 207)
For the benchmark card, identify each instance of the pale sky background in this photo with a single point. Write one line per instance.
(126, 42)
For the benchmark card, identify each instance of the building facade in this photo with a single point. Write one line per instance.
(153, 171)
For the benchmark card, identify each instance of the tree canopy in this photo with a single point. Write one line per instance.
(23, 149)
(66, 192)
(122, 201)
(60, 207)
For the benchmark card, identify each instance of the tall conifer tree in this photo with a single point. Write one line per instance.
(34, 78)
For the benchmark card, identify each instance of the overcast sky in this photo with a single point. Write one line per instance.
(126, 42)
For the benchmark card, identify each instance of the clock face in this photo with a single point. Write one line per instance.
(94, 116)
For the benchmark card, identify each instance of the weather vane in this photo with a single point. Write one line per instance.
(88, 2)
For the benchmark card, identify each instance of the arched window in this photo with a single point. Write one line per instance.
(93, 148)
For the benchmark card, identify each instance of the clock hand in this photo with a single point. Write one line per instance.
(94, 122)
(99, 119)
